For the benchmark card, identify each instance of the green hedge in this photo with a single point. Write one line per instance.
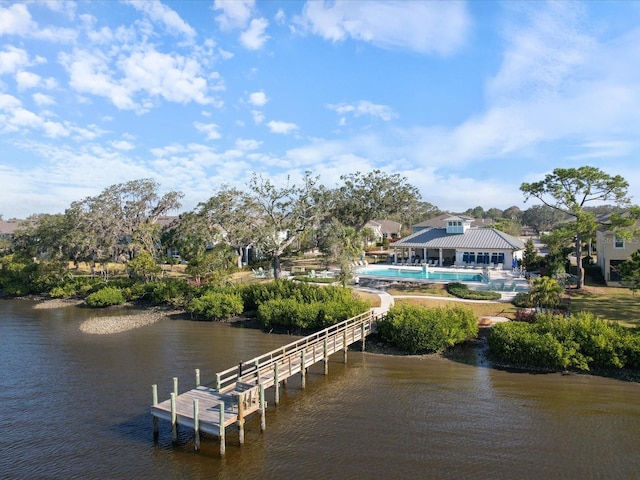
(460, 290)
(216, 305)
(106, 297)
(254, 295)
(556, 342)
(422, 330)
(293, 313)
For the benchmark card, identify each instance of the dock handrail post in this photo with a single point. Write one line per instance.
(174, 419)
(222, 428)
(362, 333)
(326, 357)
(257, 364)
(344, 346)
(196, 426)
(263, 409)
(218, 382)
(175, 386)
(302, 370)
(276, 384)
(241, 400)
(197, 377)
(154, 394)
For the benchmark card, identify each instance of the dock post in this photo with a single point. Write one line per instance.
(302, 370)
(196, 426)
(344, 346)
(241, 399)
(197, 377)
(276, 384)
(326, 357)
(222, 428)
(154, 394)
(174, 419)
(175, 385)
(257, 370)
(363, 336)
(263, 409)
(218, 382)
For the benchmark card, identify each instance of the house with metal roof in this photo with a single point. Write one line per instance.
(459, 244)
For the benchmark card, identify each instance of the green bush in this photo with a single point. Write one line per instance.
(173, 291)
(422, 330)
(254, 295)
(557, 342)
(522, 300)
(216, 305)
(460, 290)
(106, 297)
(292, 313)
(65, 291)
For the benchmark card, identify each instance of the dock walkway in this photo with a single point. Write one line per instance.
(239, 391)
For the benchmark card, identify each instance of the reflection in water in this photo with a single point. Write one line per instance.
(77, 406)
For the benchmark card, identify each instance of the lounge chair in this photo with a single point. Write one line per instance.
(513, 287)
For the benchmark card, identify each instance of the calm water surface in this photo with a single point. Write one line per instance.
(76, 405)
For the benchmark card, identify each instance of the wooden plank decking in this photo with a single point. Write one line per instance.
(239, 391)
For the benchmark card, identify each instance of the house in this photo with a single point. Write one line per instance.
(612, 250)
(441, 222)
(384, 229)
(9, 227)
(458, 243)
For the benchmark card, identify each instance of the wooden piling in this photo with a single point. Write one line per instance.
(303, 372)
(197, 377)
(196, 426)
(241, 400)
(174, 419)
(344, 347)
(154, 395)
(263, 409)
(175, 385)
(218, 382)
(362, 336)
(276, 384)
(222, 439)
(326, 357)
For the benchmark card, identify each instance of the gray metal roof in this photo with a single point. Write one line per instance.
(472, 239)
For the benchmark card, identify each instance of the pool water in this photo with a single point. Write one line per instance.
(421, 275)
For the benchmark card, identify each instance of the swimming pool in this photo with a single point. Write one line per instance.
(420, 274)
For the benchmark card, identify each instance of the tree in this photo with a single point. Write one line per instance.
(542, 218)
(513, 213)
(530, 257)
(279, 216)
(568, 190)
(144, 267)
(630, 271)
(375, 195)
(545, 292)
(341, 245)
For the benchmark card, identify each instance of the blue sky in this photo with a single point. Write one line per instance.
(466, 99)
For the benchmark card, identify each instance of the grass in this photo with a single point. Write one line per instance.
(432, 290)
(484, 309)
(608, 303)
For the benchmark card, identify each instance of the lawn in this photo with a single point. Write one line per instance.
(480, 309)
(609, 303)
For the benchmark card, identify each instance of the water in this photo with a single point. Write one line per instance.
(77, 406)
(415, 274)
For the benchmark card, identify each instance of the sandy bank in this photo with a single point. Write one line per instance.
(122, 323)
(57, 303)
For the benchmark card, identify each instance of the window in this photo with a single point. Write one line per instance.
(618, 242)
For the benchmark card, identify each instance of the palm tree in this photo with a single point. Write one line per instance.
(545, 292)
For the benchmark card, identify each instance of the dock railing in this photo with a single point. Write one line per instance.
(261, 367)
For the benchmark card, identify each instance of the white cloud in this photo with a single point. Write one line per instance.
(282, 127)
(364, 107)
(12, 59)
(27, 80)
(424, 27)
(235, 13)
(16, 20)
(123, 145)
(43, 100)
(259, 99)
(146, 73)
(258, 116)
(247, 144)
(255, 37)
(209, 129)
(158, 12)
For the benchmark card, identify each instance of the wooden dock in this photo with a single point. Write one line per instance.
(239, 391)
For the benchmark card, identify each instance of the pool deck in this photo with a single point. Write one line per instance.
(505, 282)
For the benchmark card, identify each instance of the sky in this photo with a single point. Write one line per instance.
(467, 100)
